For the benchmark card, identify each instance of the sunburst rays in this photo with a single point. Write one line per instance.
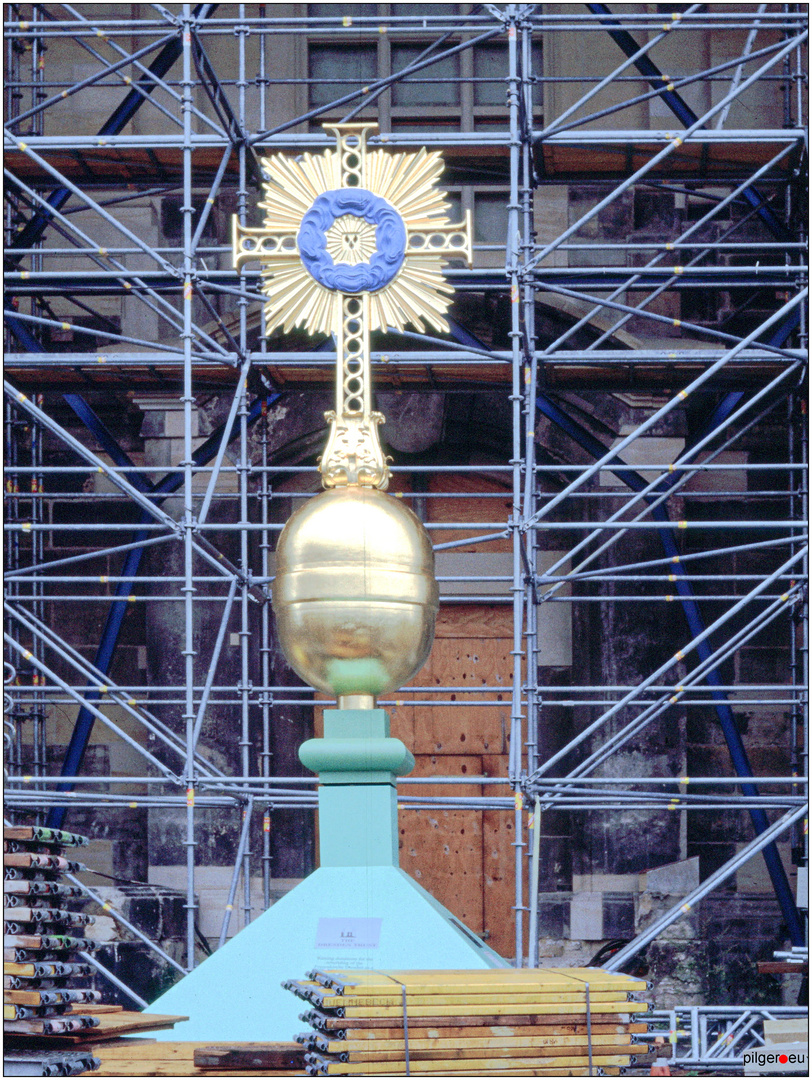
(417, 295)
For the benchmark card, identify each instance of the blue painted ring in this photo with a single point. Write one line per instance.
(390, 240)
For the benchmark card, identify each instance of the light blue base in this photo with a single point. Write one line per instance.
(236, 993)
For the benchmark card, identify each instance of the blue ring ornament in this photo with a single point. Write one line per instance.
(390, 240)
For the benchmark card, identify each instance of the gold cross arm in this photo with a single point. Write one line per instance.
(449, 239)
(249, 244)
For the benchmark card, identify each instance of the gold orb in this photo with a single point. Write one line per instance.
(355, 596)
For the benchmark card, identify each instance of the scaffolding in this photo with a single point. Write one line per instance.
(69, 247)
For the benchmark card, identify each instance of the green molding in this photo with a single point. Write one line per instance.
(377, 759)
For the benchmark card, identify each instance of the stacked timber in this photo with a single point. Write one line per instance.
(43, 973)
(527, 1022)
(141, 1057)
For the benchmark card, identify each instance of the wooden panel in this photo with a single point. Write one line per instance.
(474, 621)
(280, 1055)
(383, 1027)
(497, 863)
(442, 849)
(482, 1065)
(401, 721)
(137, 1058)
(461, 662)
(446, 765)
(111, 1026)
(468, 508)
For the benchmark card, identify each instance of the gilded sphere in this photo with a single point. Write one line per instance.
(355, 596)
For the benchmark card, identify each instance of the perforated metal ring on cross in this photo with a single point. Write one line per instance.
(336, 242)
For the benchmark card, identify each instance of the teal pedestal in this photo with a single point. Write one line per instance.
(358, 766)
(358, 910)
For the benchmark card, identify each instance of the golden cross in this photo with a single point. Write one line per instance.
(353, 241)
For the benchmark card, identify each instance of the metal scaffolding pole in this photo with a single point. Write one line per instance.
(514, 256)
(189, 651)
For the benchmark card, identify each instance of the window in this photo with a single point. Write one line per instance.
(490, 62)
(463, 92)
(423, 9)
(437, 84)
(65, 339)
(491, 71)
(490, 217)
(443, 11)
(337, 70)
(339, 11)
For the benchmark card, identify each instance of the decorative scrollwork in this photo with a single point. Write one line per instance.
(353, 456)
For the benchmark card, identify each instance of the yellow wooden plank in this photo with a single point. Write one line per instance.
(608, 981)
(22, 997)
(489, 1030)
(9, 1012)
(457, 986)
(471, 1009)
(461, 1053)
(367, 976)
(161, 1067)
(532, 1070)
(136, 1057)
(339, 1046)
(179, 1048)
(572, 1070)
(484, 1065)
(513, 980)
(526, 1001)
(391, 990)
(118, 1022)
(539, 1020)
(527, 1071)
(26, 970)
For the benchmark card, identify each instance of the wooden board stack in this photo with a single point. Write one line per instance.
(140, 1057)
(42, 935)
(526, 1022)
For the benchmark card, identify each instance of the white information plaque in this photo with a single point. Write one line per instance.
(348, 933)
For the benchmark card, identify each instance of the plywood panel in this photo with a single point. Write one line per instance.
(401, 722)
(498, 835)
(460, 765)
(137, 1058)
(442, 849)
(456, 728)
(474, 620)
(467, 507)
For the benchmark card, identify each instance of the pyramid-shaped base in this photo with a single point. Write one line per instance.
(338, 917)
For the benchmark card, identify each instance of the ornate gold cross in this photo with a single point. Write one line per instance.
(353, 241)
